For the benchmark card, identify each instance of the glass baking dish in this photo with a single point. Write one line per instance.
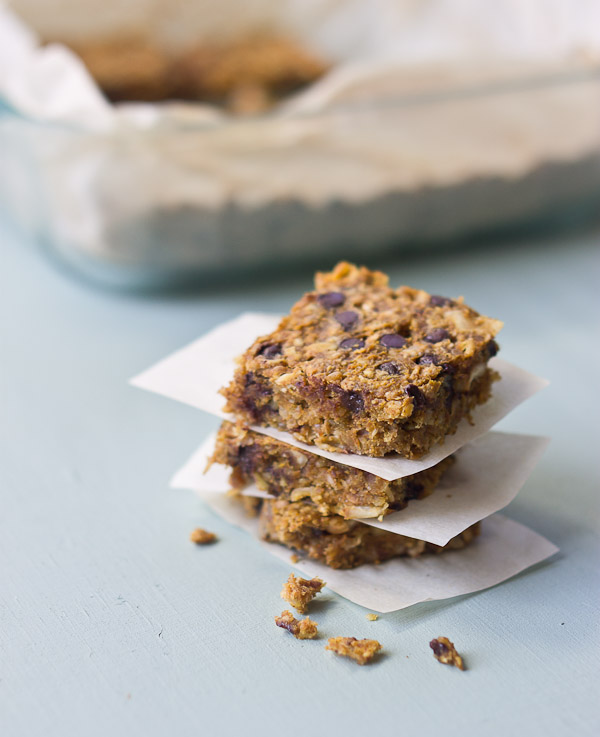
(187, 202)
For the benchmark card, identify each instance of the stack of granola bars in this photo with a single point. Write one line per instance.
(358, 368)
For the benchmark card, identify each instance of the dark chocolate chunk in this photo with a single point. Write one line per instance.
(438, 301)
(389, 368)
(392, 340)
(353, 401)
(437, 334)
(347, 319)
(413, 391)
(438, 647)
(427, 359)
(352, 343)
(331, 299)
(492, 348)
(269, 350)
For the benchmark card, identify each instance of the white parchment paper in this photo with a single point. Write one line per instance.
(503, 549)
(488, 475)
(194, 375)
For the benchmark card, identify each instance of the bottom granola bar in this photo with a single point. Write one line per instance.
(342, 543)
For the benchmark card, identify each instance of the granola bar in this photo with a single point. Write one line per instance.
(286, 472)
(246, 75)
(342, 543)
(363, 368)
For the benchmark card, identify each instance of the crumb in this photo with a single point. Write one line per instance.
(202, 537)
(300, 591)
(445, 652)
(294, 558)
(302, 629)
(372, 617)
(362, 651)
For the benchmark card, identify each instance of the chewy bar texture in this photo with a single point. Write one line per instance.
(341, 543)
(362, 368)
(288, 473)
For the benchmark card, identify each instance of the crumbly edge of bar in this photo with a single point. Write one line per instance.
(287, 472)
(341, 543)
(302, 629)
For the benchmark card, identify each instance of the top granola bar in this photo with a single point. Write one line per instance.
(363, 368)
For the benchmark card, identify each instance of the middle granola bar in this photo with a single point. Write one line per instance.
(333, 488)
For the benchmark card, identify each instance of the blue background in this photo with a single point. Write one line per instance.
(112, 622)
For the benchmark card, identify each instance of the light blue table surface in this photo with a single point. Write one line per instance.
(113, 623)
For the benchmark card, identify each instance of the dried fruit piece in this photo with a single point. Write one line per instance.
(299, 592)
(202, 537)
(445, 652)
(302, 629)
(362, 651)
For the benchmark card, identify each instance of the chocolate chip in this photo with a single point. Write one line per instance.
(492, 348)
(347, 319)
(438, 301)
(331, 299)
(437, 334)
(389, 368)
(438, 647)
(392, 340)
(352, 343)
(353, 401)
(412, 490)
(269, 350)
(427, 359)
(246, 460)
(413, 391)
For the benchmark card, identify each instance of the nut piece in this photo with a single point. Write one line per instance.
(362, 651)
(302, 629)
(372, 617)
(202, 537)
(300, 591)
(445, 652)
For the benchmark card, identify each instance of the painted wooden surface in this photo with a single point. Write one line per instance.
(112, 623)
